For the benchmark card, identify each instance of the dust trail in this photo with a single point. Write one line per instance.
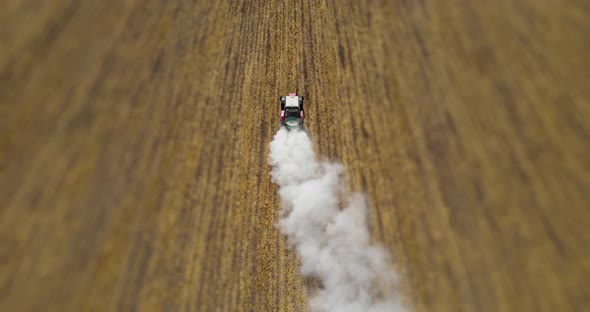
(329, 230)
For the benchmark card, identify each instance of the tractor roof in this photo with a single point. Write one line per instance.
(292, 101)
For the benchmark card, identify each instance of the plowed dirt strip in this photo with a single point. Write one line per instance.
(134, 148)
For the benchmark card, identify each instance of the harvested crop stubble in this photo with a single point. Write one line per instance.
(134, 144)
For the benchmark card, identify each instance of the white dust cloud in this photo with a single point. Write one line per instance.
(329, 230)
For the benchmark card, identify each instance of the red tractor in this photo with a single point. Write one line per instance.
(292, 111)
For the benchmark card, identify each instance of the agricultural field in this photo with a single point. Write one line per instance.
(134, 149)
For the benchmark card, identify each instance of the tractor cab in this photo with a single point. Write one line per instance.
(292, 111)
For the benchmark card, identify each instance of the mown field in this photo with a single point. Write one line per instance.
(134, 143)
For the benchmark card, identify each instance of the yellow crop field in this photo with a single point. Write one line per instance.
(134, 149)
